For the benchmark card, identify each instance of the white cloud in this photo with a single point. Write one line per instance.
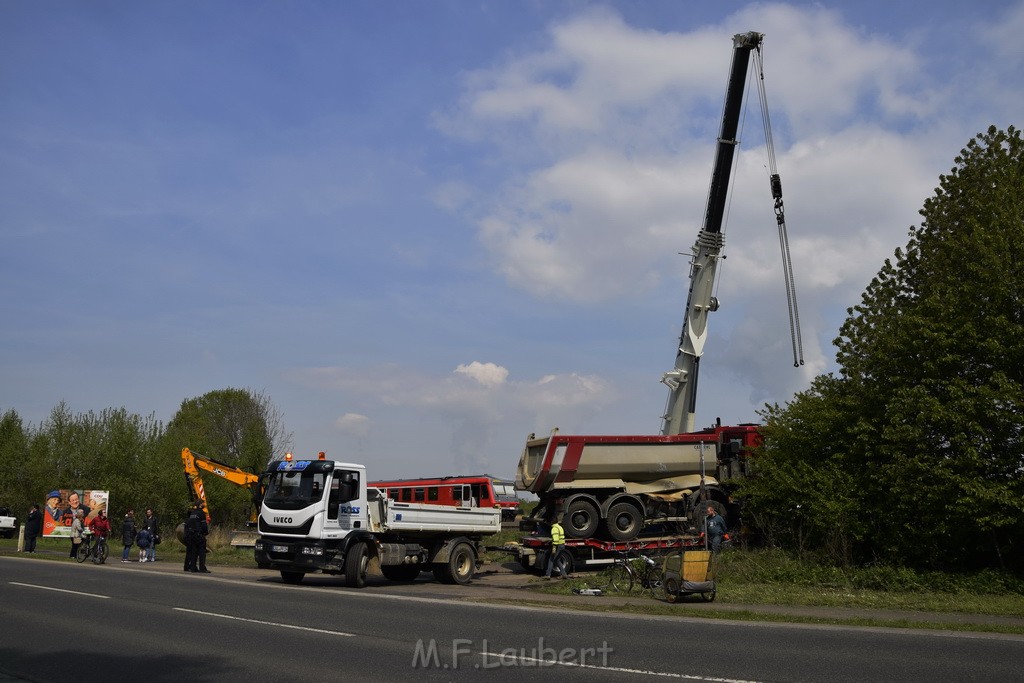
(486, 374)
(354, 424)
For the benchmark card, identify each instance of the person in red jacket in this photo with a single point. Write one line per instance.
(100, 528)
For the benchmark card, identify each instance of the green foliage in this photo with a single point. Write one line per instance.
(135, 457)
(914, 455)
(775, 566)
(234, 426)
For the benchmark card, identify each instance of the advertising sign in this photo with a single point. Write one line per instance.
(61, 505)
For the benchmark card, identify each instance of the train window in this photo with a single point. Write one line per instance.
(432, 493)
(419, 494)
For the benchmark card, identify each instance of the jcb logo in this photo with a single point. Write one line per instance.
(282, 520)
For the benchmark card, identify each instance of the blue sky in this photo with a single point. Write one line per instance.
(427, 229)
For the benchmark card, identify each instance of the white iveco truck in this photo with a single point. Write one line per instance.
(320, 516)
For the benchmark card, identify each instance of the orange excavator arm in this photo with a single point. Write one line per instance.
(194, 462)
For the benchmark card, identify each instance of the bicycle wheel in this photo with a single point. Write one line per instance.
(621, 578)
(83, 551)
(652, 583)
(101, 552)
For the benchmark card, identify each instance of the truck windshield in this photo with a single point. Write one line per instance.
(295, 490)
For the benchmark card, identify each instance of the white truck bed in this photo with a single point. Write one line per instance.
(391, 515)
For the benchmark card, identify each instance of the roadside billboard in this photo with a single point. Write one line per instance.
(61, 505)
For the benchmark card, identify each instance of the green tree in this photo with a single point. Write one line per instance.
(17, 487)
(235, 426)
(932, 374)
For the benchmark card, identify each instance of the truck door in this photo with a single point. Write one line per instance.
(344, 508)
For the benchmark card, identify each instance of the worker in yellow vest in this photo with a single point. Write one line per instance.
(557, 548)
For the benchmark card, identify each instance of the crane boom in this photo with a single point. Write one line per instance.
(679, 414)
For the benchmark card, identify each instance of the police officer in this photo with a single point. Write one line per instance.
(196, 530)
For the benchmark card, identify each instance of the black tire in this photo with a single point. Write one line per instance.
(103, 551)
(624, 522)
(356, 564)
(460, 567)
(293, 578)
(581, 519)
(709, 596)
(653, 585)
(621, 578)
(563, 564)
(84, 550)
(401, 572)
(671, 589)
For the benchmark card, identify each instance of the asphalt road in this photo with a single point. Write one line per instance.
(134, 622)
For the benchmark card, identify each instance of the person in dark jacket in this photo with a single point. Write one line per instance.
(715, 527)
(145, 541)
(128, 534)
(33, 528)
(151, 523)
(196, 531)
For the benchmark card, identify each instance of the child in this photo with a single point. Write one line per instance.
(143, 540)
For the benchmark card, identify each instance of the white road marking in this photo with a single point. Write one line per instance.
(503, 658)
(266, 623)
(59, 590)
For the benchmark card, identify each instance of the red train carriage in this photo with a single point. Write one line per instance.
(470, 491)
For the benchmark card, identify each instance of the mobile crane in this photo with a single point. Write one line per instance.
(194, 462)
(617, 486)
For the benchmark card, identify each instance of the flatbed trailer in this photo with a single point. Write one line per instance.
(594, 553)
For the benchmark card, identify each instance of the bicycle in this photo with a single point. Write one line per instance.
(618, 577)
(633, 569)
(87, 548)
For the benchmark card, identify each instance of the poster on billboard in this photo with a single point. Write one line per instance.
(62, 504)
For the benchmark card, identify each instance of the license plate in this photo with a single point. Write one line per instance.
(278, 548)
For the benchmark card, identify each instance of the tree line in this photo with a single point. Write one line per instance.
(913, 453)
(138, 459)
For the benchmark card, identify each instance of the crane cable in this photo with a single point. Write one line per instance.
(780, 217)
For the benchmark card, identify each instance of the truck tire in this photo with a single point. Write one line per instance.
(581, 519)
(356, 564)
(292, 577)
(624, 522)
(401, 572)
(563, 564)
(460, 567)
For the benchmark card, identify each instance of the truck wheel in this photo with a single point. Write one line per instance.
(356, 563)
(460, 567)
(581, 519)
(563, 564)
(292, 577)
(624, 522)
(401, 572)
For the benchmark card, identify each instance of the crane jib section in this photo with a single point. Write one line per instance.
(679, 416)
